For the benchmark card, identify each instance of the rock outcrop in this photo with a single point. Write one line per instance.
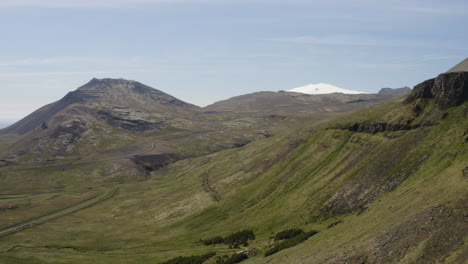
(128, 122)
(377, 127)
(448, 90)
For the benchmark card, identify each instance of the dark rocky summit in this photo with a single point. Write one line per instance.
(448, 89)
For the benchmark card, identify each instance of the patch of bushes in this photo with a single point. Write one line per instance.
(289, 233)
(290, 243)
(234, 240)
(418, 109)
(239, 238)
(199, 259)
(236, 258)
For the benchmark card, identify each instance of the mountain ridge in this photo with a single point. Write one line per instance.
(111, 118)
(264, 100)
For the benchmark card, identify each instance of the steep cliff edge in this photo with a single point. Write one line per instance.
(448, 90)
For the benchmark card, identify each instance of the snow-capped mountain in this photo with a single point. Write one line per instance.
(322, 88)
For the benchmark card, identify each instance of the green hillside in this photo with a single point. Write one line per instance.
(384, 185)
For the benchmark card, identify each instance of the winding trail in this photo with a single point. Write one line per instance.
(108, 193)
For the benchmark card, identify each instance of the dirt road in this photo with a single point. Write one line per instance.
(108, 193)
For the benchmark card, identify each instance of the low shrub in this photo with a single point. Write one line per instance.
(234, 240)
(213, 240)
(289, 233)
(290, 243)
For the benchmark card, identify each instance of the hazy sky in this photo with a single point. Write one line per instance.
(202, 51)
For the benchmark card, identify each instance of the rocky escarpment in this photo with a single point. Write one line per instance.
(448, 90)
(130, 123)
(377, 127)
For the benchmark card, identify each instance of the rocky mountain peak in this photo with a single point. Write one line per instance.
(123, 92)
(106, 82)
(109, 95)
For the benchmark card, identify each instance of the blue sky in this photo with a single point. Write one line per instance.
(202, 51)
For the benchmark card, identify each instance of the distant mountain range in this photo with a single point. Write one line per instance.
(103, 117)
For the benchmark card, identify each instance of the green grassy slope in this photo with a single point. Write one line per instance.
(397, 196)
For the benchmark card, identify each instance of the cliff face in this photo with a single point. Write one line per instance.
(448, 89)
